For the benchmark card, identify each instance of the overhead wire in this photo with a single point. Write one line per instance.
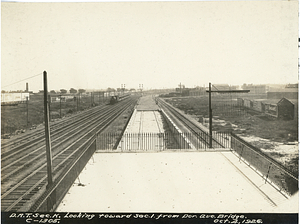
(22, 80)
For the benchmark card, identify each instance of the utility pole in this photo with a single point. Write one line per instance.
(60, 106)
(77, 100)
(47, 133)
(49, 105)
(141, 88)
(122, 88)
(210, 116)
(27, 111)
(210, 109)
(91, 99)
(180, 88)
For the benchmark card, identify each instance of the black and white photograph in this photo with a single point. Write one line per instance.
(149, 111)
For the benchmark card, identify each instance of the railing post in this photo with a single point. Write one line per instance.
(96, 141)
(241, 152)
(268, 172)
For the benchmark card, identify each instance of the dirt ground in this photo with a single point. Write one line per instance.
(276, 137)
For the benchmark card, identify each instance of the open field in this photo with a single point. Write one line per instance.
(275, 137)
(14, 118)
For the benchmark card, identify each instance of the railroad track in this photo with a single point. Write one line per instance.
(12, 144)
(199, 137)
(24, 170)
(58, 132)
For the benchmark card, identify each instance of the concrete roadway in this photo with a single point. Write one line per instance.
(214, 182)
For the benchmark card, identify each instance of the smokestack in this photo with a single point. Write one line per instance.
(26, 87)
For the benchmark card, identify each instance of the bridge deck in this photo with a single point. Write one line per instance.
(173, 182)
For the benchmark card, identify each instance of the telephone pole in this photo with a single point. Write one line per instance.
(47, 133)
(210, 109)
(27, 111)
(210, 116)
(60, 105)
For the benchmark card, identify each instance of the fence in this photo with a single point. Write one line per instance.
(271, 170)
(159, 141)
(181, 140)
(51, 198)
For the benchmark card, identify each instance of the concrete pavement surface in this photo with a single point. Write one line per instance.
(172, 182)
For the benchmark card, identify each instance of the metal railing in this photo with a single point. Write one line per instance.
(158, 141)
(271, 170)
(53, 195)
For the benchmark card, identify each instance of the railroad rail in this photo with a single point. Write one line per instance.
(10, 145)
(24, 176)
(200, 137)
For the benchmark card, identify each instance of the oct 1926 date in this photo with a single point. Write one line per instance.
(237, 221)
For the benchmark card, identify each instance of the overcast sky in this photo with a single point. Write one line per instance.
(157, 44)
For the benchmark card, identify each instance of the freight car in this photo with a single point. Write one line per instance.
(116, 99)
(258, 106)
(282, 109)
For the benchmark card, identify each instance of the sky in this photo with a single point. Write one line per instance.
(97, 45)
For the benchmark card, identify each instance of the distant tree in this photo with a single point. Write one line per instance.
(63, 91)
(110, 89)
(52, 92)
(3, 91)
(72, 90)
(41, 91)
(81, 90)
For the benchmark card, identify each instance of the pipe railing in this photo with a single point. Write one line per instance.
(158, 141)
(271, 170)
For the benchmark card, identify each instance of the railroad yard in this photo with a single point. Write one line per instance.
(110, 142)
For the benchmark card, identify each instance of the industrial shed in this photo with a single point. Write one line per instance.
(285, 109)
